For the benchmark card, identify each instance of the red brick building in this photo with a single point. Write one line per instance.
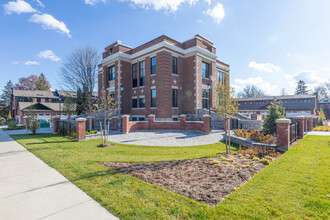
(163, 77)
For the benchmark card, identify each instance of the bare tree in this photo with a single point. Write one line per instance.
(79, 71)
(251, 92)
(323, 90)
(106, 109)
(68, 106)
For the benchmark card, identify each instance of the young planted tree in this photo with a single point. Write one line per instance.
(275, 111)
(106, 109)
(68, 106)
(32, 121)
(226, 106)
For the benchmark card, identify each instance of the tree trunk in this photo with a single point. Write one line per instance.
(226, 135)
(229, 136)
(101, 133)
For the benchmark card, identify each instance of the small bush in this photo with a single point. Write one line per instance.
(256, 135)
(320, 122)
(91, 132)
(321, 128)
(264, 161)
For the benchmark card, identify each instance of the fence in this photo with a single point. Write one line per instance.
(294, 126)
(67, 128)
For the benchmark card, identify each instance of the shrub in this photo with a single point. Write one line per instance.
(256, 135)
(321, 128)
(320, 122)
(12, 125)
(264, 161)
(91, 132)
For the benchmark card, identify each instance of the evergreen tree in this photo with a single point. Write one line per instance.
(301, 88)
(42, 83)
(68, 106)
(275, 111)
(80, 102)
(6, 93)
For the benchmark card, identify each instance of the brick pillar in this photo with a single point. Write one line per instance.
(207, 124)
(90, 123)
(81, 128)
(151, 121)
(115, 123)
(55, 123)
(305, 128)
(183, 122)
(301, 123)
(124, 123)
(310, 123)
(283, 133)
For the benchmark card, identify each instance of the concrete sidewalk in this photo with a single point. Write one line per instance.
(30, 189)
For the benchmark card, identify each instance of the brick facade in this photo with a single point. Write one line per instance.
(188, 81)
(81, 128)
(283, 133)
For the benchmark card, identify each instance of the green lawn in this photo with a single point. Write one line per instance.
(295, 186)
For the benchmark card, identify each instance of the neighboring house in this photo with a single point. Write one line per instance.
(48, 104)
(325, 105)
(162, 77)
(294, 105)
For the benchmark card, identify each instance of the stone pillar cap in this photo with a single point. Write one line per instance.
(114, 116)
(151, 115)
(125, 116)
(80, 119)
(182, 115)
(206, 115)
(283, 120)
(300, 117)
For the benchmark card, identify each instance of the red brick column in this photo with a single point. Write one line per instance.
(115, 123)
(124, 123)
(207, 124)
(301, 123)
(283, 133)
(81, 128)
(55, 123)
(305, 128)
(310, 123)
(183, 122)
(151, 121)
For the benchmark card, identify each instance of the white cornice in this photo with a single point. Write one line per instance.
(222, 67)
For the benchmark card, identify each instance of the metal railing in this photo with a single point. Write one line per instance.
(67, 128)
(293, 132)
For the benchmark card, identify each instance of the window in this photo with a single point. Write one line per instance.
(134, 103)
(38, 99)
(153, 65)
(221, 77)
(174, 98)
(134, 75)
(175, 65)
(142, 102)
(46, 100)
(142, 119)
(205, 98)
(56, 100)
(142, 73)
(134, 118)
(205, 70)
(111, 73)
(153, 98)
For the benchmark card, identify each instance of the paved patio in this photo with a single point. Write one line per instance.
(30, 189)
(166, 138)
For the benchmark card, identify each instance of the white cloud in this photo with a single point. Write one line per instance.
(217, 13)
(31, 63)
(47, 21)
(310, 77)
(168, 5)
(208, 1)
(94, 2)
(264, 67)
(18, 7)
(48, 54)
(15, 62)
(40, 3)
(199, 21)
(259, 82)
(326, 69)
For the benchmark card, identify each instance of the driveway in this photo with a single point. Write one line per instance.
(30, 189)
(166, 138)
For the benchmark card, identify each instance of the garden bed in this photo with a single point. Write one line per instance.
(207, 180)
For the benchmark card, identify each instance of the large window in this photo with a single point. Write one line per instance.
(174, 98)
(142, 102)
(175, 65)
(153, 65)
(38, 99)
(111, 73)
(153, 98)
(134, 103)
(205, 98)
(134, 75)
(205, 70)
(142, 72)
(47, 100)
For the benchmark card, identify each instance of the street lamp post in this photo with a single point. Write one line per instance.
(210, 87)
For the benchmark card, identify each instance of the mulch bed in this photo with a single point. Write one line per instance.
(204, 180)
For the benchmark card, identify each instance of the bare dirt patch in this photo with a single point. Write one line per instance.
(207, 180)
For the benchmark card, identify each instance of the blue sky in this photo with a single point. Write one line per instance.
(271, 44)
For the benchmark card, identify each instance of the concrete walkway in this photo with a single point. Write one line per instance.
(23, 131)
(319, 133)
(166, 138)
(30, 189)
